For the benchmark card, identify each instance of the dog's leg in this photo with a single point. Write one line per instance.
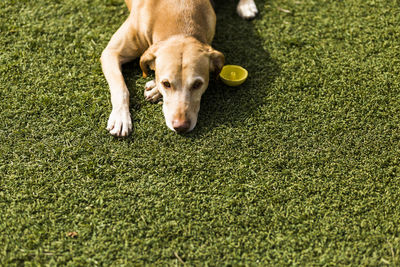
(247, 9)
(120, 49)
(151, 92)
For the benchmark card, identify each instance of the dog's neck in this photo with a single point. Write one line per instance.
(188, 18)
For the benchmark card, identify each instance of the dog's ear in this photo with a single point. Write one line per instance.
(217, 61)
(147, 60)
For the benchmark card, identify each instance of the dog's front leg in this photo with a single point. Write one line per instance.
(119, 50)
(151, 92)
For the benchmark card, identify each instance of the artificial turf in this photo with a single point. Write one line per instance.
(298, 166)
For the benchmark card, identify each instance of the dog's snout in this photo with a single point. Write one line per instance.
(181, 126)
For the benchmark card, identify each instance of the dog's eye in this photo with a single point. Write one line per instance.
(197, 84)
(166, 84)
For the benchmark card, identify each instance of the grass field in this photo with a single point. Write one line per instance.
(298, 166)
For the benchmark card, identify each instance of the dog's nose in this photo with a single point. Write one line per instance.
(181, 126)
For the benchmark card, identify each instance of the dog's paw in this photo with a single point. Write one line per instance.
(151, 92)
(120, 123)
(247, 9)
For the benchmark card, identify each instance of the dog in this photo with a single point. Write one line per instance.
(173, 38)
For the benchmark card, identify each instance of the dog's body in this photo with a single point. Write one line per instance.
(173, 37)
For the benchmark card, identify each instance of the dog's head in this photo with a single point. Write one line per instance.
(182, 66)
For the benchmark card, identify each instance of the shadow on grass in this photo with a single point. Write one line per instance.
(241, 45)
(221, 104)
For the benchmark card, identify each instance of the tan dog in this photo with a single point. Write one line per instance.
(173, 38)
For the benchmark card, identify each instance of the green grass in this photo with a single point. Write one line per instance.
(298, 166)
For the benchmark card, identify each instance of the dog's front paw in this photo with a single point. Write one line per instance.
(151, 92)
(120, 123)
(247, 9)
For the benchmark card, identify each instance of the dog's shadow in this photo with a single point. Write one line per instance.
(241, 45)
(223, 105)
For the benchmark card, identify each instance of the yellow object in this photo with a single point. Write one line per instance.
(233, 75)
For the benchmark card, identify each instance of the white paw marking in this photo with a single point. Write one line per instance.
(151, 92)
(119, 123)
(247, 10)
